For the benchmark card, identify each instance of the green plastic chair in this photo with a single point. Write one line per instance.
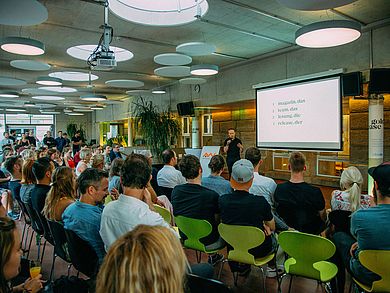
(164, 213)
(194, 230)
(308, 254)
(377, 261)
(243, 238)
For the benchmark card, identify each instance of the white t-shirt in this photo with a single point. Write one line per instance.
(169, 177)
(263, 186)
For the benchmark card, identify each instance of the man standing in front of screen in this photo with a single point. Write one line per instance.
(233, 148)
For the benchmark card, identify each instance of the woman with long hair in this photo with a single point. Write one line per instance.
(62, 193)
(350, 198)
(28, 181)
(10, 254)
(146, 259)
(67, 157)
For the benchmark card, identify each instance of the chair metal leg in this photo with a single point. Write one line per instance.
(289, 287)
(43, 250)
(69, 266)
(23, 233)
(220, 268)
(52, 266)
(263, 273)
(280, 282)
(198, 256)
(38, 241)
(235, 278)
(26, 240)
(29, 246)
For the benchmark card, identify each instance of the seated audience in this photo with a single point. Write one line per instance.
(28, 154)
(14, 167)
(115, 173)
(97, 161)
(76, 155)
(246, 209)
(299, 204)
(42, 170)
(67, 157)
(215, 181)
(107, 159)
(168, 177)
(196, 201)
(10, 243)
(24, 142)
(134, 206)
(85, 156)
(146, 259)
(264, 186)
(349, 198)
(83, 216)
(115, 152)
(369, 229)
(61, 193)
(28, 181)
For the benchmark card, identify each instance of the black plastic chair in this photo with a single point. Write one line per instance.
(165, 191)
(60, 244)
(36, 226)
(26, 226)
(341, 220)
(197, 284)
(82, 255)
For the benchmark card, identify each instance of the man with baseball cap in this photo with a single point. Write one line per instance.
(242, 208)
(369, 228)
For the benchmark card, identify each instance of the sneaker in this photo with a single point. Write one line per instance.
(14, 216)
(215, 258)
(271, 272)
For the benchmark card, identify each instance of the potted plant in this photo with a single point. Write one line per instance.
(158, 128)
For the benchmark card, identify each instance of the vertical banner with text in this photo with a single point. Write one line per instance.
(207, 153)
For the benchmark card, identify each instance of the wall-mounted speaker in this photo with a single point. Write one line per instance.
(379, 81)
(352, 84)
(186, 109)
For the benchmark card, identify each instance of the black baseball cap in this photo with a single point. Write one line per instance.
(381, 175)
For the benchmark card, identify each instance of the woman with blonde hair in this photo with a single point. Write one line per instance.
(349, 198)
(85, 156)
(61, 194)
(146, 259)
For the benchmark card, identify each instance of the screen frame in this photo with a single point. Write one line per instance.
(297, 82)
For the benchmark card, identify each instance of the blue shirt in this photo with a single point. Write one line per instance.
(84, 220)
(217, 184)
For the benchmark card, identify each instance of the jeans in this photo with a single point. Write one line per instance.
(344, 260)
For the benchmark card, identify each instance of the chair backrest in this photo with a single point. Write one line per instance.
(45, 226)
(306, 249)
(35, 222)
(197, 284)
(164, 213)
(377, 261)
(82, 255)
(165, 191)
(194, 230)
(24, 210)
(241, 238)
(341, 220)
(60, 243)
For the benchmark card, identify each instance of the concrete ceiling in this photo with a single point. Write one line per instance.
(240, 30)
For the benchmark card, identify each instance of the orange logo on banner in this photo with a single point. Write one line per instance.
(207, 155)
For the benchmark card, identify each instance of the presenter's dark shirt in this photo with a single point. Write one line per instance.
(245, 209)
(38, 196)
(198, 202)
(233, 152)
(76, 148)
(299, 205)
(50, 142)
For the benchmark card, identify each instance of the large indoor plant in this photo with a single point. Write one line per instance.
(158, 128)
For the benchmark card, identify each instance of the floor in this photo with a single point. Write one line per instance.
(253, 283)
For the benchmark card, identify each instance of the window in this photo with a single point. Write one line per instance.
(186, 126)
(42, 119)
(331, 166)
(280, 161)
(207, 122)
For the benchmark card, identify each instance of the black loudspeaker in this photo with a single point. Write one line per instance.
(186, 109)
(379, 81)
(352, 84)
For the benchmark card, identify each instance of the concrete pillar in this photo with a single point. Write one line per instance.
(375, 134)
(196, 132)
(129, 132)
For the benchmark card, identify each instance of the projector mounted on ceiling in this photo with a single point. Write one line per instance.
(102, 58)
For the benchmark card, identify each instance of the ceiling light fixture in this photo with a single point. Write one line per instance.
(84, 51)
(325, 34)
(7, 94)
(15, 110)
(48, 80)
(48, 98)
(158, 91)
(75, 114)
(204, 69)
(29, 104)
(58, 89)
(49, 112)
(93, 98)
(97, 107)
(73, 76)
(22, 46)
(159, 13)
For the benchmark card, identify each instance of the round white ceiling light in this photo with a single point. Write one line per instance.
(125, 83)
(49, 112)
(172, 59)
(84, 51)
(48, 80)
(192, 80)
(15, 110)
(48, 98)
(75, 114)
(45, 105)
(83, 110)
(158, 91)
(93, 98)
(314, 5)
(196, 49)
(173, 71)
(30, 65)
(22, 12)
(327, 34)
(139, 91)
(28, 104)
(97, 107)
(58, 89)
(9, 94)
(22, 46)
(204, 69)
(10, 81)
(73, 75)
(159, 13)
